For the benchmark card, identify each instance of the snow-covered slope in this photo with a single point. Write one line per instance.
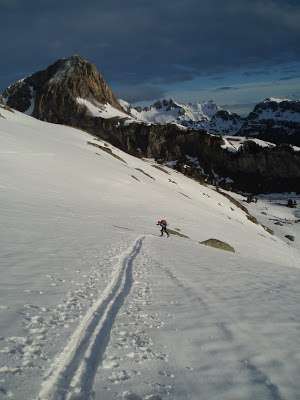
(207, 115)
(234, 143)
(105, 111)
(169, 111)
(164, 111)
(278, 110)
(93, 304)
(276, 120)
(225, 122)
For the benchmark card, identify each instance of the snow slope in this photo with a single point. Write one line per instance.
(233, 143)
(101, 110)
(283, 112)
(195, 116)
(93, 304)
(167, 111)
(199, 116)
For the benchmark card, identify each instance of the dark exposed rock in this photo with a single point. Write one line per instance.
(290, 237)
(19, 95)
(218, 244)
(176, 233)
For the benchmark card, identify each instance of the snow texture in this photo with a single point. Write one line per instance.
(95, 305)
(234, 143)
(101, 110)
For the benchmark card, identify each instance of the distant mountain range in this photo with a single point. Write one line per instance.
(200, 140)
(207, 116)
(275, 120)
(81, 86)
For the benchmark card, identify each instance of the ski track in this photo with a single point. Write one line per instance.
(73, 372)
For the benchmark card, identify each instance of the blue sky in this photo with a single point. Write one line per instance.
(235, 52)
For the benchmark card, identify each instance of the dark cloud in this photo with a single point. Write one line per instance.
(241, 109)
(257, 72)
(150, 42)
(225, 88)
(138, 93)
(288, 78)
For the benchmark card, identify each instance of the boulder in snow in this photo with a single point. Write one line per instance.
(218, 244)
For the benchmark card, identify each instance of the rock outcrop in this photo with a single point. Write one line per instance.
(218, 244)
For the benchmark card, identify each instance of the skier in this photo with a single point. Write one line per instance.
(163, 224)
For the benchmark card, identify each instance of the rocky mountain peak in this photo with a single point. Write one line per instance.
(51, 94)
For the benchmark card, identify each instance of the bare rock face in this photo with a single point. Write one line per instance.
(51, 94)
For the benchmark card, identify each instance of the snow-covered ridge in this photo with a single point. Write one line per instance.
(98, 110)
(235, 143)
(167, 111)
(274, 109)
(275, 99)
(200, 116)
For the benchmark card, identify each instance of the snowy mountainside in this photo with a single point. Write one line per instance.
(94, 304)
(207, 115)
(278, 110)
(105, 111)
(224, 122)
(279, 115)
(276, 120)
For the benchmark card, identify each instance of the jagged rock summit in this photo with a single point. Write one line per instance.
(67, 87)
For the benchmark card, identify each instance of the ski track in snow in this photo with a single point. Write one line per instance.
(74, 370)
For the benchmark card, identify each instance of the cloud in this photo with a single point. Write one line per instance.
(8, 3)
(151, 42)
(289, 78)
(138, 93)
(241, 109)
(225, 88)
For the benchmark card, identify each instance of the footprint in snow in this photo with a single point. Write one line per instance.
(119, 376)
(110, 364)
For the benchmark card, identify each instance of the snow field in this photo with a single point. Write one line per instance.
(191, 320)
